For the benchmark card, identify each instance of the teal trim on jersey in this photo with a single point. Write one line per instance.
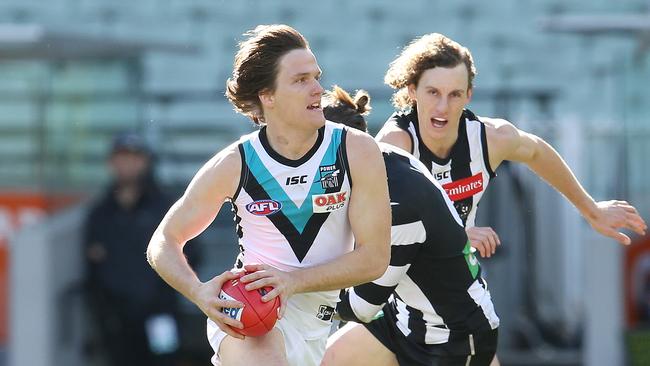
(299, 216)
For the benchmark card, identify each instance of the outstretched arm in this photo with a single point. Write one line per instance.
(188, 217)
(506, 142)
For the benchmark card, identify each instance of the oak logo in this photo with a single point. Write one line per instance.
(328, 202)
(264, 207)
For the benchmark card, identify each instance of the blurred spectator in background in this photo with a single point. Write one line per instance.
(133, 309)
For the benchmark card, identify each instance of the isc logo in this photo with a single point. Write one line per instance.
(441, 175)
(264, 207)
(298, 179)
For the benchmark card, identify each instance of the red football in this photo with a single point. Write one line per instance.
(257, 316)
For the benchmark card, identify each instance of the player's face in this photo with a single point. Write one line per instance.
(441, 95)
(296, 101)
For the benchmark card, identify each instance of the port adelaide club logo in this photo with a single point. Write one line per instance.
(329, 176)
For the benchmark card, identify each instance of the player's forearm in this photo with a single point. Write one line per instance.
(550, 166)
(351, 269)
(167, 259)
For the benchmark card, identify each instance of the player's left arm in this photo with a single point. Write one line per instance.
(506, 142)
(370, 219)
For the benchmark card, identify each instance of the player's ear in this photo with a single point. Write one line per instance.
(411, 91)
(470, 92)
(266, 97)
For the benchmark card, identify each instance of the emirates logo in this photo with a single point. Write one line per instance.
(465, 187)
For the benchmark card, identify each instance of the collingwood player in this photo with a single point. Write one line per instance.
(303, 226)
(433, 79)
(434, 306)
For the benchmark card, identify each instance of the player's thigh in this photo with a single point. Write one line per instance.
(355, 345)
(267, 350)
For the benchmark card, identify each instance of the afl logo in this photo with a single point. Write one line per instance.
(264, 207)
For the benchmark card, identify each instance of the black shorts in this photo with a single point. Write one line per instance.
(455, 352)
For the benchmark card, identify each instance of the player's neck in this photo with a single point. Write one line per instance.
(440, 147)
(292, 144)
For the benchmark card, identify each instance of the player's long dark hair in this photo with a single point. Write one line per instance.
(256, 66)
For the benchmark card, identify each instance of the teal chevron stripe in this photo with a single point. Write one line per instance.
(299, 216)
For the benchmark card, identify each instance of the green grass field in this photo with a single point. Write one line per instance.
(639, 347)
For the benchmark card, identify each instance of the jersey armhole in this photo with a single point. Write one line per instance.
(412, 149)
(243, 173)
(486, 155)
(343, 151)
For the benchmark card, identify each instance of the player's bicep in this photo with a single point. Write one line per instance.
(525, 148)
(507, 142)
(216, 181)
(369, 210)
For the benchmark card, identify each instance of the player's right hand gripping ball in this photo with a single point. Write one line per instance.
(257, 316)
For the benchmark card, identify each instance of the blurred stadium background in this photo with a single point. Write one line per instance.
(74, 72)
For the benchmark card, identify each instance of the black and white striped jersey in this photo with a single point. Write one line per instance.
(432, 288)
(466, 172)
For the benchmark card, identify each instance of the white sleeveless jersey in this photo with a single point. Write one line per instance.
(293, 214)
(465, 174)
